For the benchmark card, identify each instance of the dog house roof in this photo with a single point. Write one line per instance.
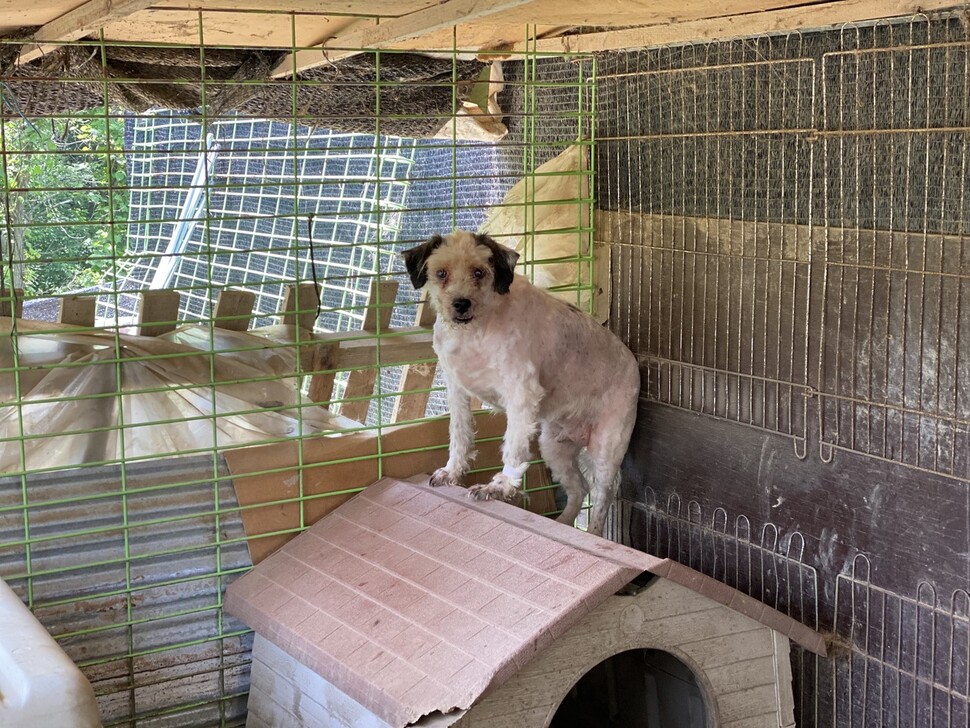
(415, 600)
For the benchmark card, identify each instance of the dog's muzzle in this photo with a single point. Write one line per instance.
(461, 310)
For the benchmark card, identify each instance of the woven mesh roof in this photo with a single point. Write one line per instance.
(416, 92)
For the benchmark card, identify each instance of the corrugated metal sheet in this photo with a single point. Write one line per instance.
(148, 630)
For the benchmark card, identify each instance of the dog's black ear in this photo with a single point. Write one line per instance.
(416, 260)
(503, 263)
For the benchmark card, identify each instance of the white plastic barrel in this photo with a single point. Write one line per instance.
(39, 685)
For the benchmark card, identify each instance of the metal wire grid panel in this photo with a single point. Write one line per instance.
(897, 660)
(710, 287)
(893, 380)
(124, 551)
(832, 267)
(818, 289)
(909, 654)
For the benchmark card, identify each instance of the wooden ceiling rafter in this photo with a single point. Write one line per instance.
(327, 30)
(381, 35)
(83, 20)
(814, 16)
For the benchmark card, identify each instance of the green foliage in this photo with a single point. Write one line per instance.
(59, 202)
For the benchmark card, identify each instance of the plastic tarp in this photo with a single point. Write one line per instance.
(176, 396)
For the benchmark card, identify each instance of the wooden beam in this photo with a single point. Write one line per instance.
(416, 376)
(395, 351)
(398, 347)
(367, 36)
(158, 313)
(323, 372)
(815, 16)
(360, 383)
(78, 310)
(300, 305)
(234, 309)
(79, 22)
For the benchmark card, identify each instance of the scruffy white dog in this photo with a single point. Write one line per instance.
(551, 368)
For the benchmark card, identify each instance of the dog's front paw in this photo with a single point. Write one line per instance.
(500, 487)
(443, 476)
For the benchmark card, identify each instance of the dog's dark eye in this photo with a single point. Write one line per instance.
(478, 273)
(442, 274)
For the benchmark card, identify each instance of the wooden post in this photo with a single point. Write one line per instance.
(300, 305)
(234, 309)
(158, 313)
(321, 381)
(78, 310)
(17, 294)
(361, 382)
(416, 376)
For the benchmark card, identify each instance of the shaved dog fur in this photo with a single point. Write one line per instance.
(553, 369)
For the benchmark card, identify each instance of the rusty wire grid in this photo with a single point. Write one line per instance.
(788, 219)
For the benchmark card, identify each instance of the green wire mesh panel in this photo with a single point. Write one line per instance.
(207, 340)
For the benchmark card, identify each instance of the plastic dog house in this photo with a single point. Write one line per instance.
(416, 606)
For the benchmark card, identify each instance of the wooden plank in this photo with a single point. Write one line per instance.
(412, 405)
(416, 376)
(360, 383)
(78, 310)
(267, 478)
(300, 305)
(234, 309)
(541, 498)
(396, 350)
(380, 306)
(17, 295)
(323, 373)
(79, 22)
(626, 13)
(361, 38)
(384, 8)
(158, 312)
(398, 346)
(814, 16)
(322, 40)
(240, 29)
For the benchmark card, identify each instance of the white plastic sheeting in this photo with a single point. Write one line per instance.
(39, 685)
(175, 395)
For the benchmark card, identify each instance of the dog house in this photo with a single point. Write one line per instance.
(409, 605)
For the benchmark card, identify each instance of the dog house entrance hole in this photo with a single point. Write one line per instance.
(635, 689)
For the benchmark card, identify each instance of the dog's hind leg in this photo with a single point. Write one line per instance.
(606, 449)
(561, 456)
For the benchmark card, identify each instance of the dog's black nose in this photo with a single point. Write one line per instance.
(461, 305)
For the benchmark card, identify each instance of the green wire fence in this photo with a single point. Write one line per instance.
(207, 340)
